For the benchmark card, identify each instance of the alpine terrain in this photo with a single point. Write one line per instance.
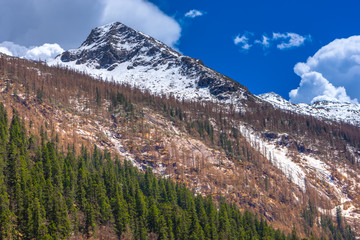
(125, 138)
(118, 53)
(336, 111)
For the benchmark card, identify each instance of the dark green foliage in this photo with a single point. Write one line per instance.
(46, 194)
(102, 192)
(338, 231)
(120, 99)
(40, 95)
(309, 214)
(5, 213)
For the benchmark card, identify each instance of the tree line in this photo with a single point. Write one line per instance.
(212, 123)
(49, 193)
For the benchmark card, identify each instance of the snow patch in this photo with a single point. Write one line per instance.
(337, 111)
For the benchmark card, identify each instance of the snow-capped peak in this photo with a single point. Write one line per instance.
(273, 97)
(337, 111)
(120, 53)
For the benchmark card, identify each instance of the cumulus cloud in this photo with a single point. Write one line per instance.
(333, 73)
(5, 51)
(45, 52)
(143, 16)
(68, 22)
(34, 22)
(242, 41)
(314, 87)
(13, 49)
(290, 40)
(194, 13)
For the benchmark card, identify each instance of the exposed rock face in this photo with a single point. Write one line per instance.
(123, 54)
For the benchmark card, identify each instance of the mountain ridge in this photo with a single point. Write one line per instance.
(336, 111)
(119, 53)
(292, 143)
(265, 159)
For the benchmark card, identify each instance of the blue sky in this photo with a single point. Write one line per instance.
(209, 35)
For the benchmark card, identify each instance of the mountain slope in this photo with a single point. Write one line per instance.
(341, 112)
(254, 159)
(312, 159)
(118, 53)
(91, 196)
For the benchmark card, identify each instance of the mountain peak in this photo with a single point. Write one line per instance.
(273, 97)
(100, 32)
(337, 111)
(116, 51)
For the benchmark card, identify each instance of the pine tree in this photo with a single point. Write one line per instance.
(39, 229)
(81, 185)
(5, 213)
(163, 229)
(339, 219)
(224, 224)
(153, 216)
(120, 212)
(211, 211)
(3, 135)
(195, 230)
(90, 224)
(200, 210)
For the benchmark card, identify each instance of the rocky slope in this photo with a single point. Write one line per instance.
(341, 112)
(314, 167)
(272, 173)
(119, 53)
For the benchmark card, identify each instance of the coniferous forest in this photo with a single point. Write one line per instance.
(48, 193)
(52, 191)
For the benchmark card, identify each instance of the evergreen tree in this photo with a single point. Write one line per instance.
(224, 224)
(120, 212)
(153, 216)
(195, 230)
(5, 213)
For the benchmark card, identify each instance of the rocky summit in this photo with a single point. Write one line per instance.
(116, 52)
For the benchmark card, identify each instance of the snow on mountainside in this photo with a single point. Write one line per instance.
(344, 112)
(117, 52)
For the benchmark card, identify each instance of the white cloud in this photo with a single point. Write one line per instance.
(314, 87)
(14, 49)
(243, 42)
(5, 51)
(333, 73)
(292, 40)
(265, 41)
(34, 22)
(68, 22)
(241, 39)
(143, 16)
(194, 13)
(45, 52)
(280, 40)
